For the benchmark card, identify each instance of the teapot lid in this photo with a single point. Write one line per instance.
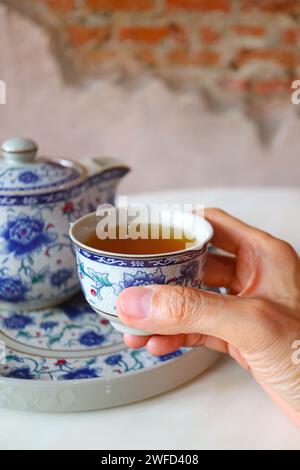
(20, 170)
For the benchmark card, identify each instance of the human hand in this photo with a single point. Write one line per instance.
(257, 324)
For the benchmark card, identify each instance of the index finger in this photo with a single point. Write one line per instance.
(230, 233)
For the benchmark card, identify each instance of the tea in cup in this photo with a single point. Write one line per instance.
(165, 254)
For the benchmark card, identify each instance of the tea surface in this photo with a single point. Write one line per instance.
(142, 246)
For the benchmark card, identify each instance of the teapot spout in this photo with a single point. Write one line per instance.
(104, 175)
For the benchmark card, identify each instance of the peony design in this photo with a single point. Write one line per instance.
(72, 312)
(12, 289)
(21, 373)
(49, 325)
(143, 279)
(91, 338)
(60, 278)
(190, 271)
(28, 177)
(83, 373)
(101, 280)
(113, 360)
(50, 330)
(18, 321)
(188, 275)
(24, 234)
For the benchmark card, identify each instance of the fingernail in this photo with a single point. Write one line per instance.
(136, 302)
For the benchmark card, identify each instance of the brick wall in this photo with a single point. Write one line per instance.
(229, 48)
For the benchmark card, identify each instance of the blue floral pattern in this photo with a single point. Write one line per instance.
(61, 277)
(18, 321)
(28, 177)
(190, 274)
(83, 373)
(153, 262)
(142, 278)
(102, 281)
(37, 262)
(21, 373)
(91, 338)
(113, 360)
(41, 175)
(49, 325)
(72, 326)
(12, 289)
(52, 331)
(50, 197)
(25, 234)
(72, 311)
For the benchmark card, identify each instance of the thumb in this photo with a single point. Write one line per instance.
(169, 310)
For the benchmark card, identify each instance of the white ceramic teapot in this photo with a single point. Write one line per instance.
(39, 197)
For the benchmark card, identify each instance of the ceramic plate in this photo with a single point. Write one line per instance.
(68, 358)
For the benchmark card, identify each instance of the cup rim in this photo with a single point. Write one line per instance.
(198, 246)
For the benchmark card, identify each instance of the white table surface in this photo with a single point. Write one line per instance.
(222, 409)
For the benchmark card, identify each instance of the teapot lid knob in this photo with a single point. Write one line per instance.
(19, 150)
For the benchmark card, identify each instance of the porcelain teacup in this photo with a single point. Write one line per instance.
(103, 275)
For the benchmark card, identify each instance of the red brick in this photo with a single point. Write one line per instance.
(147, 56)
(151, 34)
(271, 86)
(202, 5)
(281, 56)
(80, 35)
(204, 57)
(208, 57)
(61, 6)
(249, 30)
(235, 84)
(125, 5)
(209, 35)
(290, 36)
(96, 56)
(272, 5)
(177, 32)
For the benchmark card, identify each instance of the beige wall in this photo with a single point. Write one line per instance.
(171, 139)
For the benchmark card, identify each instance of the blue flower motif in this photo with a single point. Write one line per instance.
(91, 338)
(83, 373)
(74, 312)
(113, 360)
(17, 321)
(167, 357)
(190, 270)
(12, 289)
(21, 373)
(24, 235)
(28, 177)
(144, 279)
(48, 325)
(60, 277)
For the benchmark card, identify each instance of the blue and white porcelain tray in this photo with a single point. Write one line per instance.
(68, 358)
